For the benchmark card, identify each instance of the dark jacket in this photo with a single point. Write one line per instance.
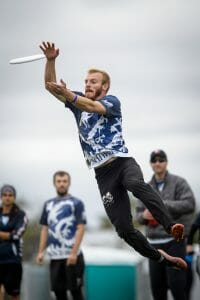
(179, 200)
(195, 226)
(15, 222)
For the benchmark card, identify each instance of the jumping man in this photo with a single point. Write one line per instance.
(99, 121)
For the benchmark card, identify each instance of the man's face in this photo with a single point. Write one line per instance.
(94, 86)
(7, 199)
(62, 184)
(159, 165)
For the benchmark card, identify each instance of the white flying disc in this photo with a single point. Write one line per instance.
(21, 60)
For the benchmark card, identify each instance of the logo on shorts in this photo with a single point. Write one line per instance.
(108, 199)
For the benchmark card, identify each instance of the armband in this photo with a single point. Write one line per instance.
(75, 99)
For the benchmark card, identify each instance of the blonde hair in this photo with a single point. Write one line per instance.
(106, 77)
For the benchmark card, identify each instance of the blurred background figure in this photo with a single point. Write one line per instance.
(190, 251)
(63, 224)
(179, 199)
(13, 223)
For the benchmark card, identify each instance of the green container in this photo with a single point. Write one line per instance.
(110, 282)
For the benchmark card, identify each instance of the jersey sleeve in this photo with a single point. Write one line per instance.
(80, 213)
(20, 226)
(44, 215)
(112, 105)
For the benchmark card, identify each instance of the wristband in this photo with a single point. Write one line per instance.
(75, 99)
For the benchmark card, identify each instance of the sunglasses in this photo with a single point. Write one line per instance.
(7, 195)
(160, 160)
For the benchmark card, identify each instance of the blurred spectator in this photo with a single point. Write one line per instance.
(13, 222)
(63, 224)
(179, 199)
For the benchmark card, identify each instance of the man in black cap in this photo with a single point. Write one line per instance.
(179, 200)
(13, 223)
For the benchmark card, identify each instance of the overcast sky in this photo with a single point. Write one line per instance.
(151, 50)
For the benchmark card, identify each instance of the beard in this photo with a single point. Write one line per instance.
(97, 93)
(62, 192)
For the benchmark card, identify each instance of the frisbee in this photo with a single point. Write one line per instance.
(25, 59)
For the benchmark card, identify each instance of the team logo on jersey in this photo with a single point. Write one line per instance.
(108, 199)
(108, 103)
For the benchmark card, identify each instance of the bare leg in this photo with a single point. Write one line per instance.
(1, 292)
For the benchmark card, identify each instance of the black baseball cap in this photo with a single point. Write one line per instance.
(158, 153)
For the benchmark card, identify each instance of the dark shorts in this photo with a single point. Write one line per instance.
(10, 278)
(65, 277)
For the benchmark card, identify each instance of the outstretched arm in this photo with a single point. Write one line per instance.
(51, 54)
(60, 91)
(80, 102)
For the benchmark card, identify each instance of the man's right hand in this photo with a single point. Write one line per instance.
(40, 258)
(49, 50)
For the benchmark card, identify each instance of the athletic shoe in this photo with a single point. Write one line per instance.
(177, 231)
(176, 262)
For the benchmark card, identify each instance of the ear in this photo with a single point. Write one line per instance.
(105, 86)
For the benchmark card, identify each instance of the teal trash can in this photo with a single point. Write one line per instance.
(110, 274)
(114, 282)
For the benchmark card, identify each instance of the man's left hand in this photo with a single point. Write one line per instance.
(59, 89)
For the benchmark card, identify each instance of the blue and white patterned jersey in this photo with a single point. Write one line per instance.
(100, 135)
(62, 215)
